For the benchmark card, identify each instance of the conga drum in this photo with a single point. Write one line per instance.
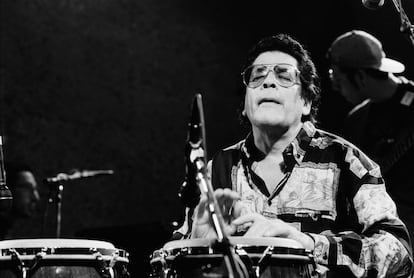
(264, 257)
(63, 258)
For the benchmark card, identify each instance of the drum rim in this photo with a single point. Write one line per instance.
(67, 258)
(55, 243)
(54, 248)
(244, 241)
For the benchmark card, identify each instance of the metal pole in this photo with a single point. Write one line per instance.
(59, 194)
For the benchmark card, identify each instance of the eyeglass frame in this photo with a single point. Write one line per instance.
(271, 69)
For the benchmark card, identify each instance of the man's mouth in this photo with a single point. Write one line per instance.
(268, 100)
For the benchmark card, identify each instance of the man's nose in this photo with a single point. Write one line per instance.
(270, 80)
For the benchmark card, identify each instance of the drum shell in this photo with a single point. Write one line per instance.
(283, 258)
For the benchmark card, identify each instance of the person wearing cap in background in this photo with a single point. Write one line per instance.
(381, 122)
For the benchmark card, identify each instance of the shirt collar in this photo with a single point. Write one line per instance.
(294, 152)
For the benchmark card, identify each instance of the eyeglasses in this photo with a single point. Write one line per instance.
(286, 75)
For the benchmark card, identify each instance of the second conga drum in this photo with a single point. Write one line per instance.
(61, 258)
(263, 257)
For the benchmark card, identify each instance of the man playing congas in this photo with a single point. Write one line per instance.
(289, 179)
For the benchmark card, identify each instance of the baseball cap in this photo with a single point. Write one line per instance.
(359, 49)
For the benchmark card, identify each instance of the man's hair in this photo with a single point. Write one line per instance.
(308, 74)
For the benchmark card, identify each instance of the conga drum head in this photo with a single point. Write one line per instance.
(262, 257)
(65, 258)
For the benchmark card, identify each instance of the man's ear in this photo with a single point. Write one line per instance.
(307, 108)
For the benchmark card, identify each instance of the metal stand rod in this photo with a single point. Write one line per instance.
(406, 27)
(56, 196)
(59, 210)
(235, 269)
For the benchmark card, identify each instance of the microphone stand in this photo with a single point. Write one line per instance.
(57, 190)
(406, 27)
(235, 269)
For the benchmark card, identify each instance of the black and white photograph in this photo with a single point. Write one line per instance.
(206, 139)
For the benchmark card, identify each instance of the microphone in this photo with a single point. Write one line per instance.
(76, 174)
(6, 197)
(373, 4)
(195, 160)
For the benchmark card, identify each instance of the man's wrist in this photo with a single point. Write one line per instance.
(307, 241)
(312, 244)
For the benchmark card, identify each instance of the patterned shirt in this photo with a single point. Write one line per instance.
(333, 192)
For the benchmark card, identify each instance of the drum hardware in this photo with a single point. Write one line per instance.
(264, 261)
(244, 256)
(185, 251)
(262, 264)
(38, 257)
(67, 258)
(106, 270)
(15, 257)
(125, 272)
(21, 265)
(159, 263)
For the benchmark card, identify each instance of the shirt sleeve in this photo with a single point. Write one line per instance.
(383, 248)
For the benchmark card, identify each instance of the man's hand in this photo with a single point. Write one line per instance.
(228, 203)
(263, 227)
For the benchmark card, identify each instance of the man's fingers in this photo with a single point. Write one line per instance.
(237, 209)
(257, 225)
(256, 230)
(227, 205)
(251, 217)
(225, 199)
(226, 194)
(200, 209)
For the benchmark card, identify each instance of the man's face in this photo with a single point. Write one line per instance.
(271, 104)
(25, 194)
(341, 83)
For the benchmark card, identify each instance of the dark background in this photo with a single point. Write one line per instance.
(108, 84)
